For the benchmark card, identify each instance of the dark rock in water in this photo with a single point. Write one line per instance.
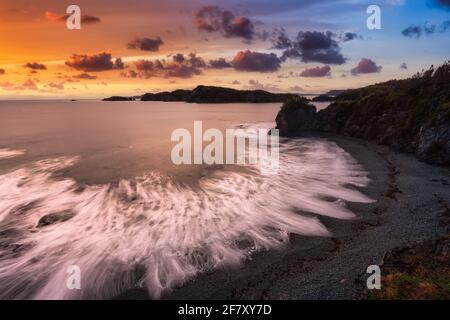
(411, 115)
(323, 98)
(56, 217)
(210, 94)
(117, 98)
(296, 115)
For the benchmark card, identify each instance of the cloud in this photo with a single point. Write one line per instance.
(35, 66)
(95, 62)
(349, 36)
(220, 63)
(416, 31)
(27, 85)
(146, 44)
(235, 82)
(296, 89)
(412, 31)
(256, 61)
(57, 86)
(440, 3)
(444, 2)
(404, 66)
(366, 66)
(324, 71)
(7, 85)
(310, 46)
(84, 76)
(179, 66)
(86, 19)
(256, 85)
(216, 19)
(2, 72)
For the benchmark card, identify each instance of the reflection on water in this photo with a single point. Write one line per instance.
(155, 229)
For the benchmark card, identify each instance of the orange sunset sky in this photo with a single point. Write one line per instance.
(132, 47)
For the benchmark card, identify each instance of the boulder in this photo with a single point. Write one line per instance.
(296, 115)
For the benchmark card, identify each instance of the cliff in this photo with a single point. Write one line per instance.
(411, 115)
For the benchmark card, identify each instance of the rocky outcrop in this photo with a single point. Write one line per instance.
(411, 115)
(53, 218)
(323, 98)
(118, 98)
(296, 115)
(177, 95)
(210, 94)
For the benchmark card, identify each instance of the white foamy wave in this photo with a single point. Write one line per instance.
(6, 153)
(153, 231)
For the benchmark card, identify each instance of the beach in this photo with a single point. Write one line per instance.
(408, 209)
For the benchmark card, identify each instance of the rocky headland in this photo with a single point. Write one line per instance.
(411, 115)
(211, 94)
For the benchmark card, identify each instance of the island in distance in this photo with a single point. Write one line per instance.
(211, 94)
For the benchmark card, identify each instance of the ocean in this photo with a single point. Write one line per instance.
(91, 184)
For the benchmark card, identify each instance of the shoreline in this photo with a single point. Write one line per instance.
(408, 209)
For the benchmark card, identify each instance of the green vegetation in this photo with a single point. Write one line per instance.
(411, 115)
(419, 271)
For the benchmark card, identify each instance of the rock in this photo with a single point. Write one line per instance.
(211, 94)
(177, 95)
(296, 115)
(323, 98)
(56, 217)
(117, 98)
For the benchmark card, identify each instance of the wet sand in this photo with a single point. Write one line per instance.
(409, 197)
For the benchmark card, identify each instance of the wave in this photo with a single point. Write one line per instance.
(6, 153)
(155, 232)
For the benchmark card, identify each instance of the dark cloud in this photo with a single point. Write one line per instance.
(35, 66)
(220, 63)
(2, 72)
(179, 66)
(86, 76)
(280, 40)
(366, 66)
(324, 71)
(404, 66)
(256, 61)
(235, 82)
(349, 36)
(412, 31)
(95, 62)
(310, 46)
(146, 44)
(416, 31)
(216, 19)
(442, 3)
(86, 19)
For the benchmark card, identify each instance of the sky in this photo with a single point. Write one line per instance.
(137, 46)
